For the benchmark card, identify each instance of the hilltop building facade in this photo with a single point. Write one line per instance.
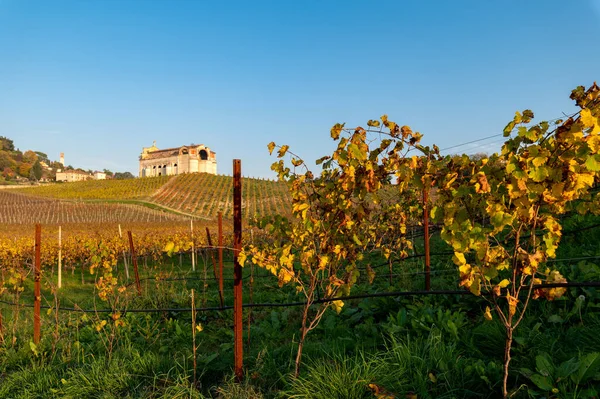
(175, 161)
(72, 175)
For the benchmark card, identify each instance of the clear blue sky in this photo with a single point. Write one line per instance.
(100, 79)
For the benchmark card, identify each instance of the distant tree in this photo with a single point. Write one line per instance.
(24, 169)
(6, 161)
(123, 175)
(36, 170)
(30, 157)
(6, 144)
(8, 173)
(108, 173)
(478, 156)
(56, 165)
(42, 157)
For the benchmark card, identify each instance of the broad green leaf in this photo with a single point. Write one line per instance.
(566, 369)
(544, 365)
(588, 367)
(593, 163)
(356, 152)
(542, 382)
(538, 174)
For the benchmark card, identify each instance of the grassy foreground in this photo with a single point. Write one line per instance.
(425, 347)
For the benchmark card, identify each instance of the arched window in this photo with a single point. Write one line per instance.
(203, 155)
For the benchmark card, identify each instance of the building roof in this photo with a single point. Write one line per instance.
(171, 152)
(79, 172)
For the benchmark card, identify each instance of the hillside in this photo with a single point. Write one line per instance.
(22, 166)
(17, 208)
(198, 194)
(100, 189)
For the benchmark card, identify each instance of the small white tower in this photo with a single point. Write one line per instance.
(62, 158)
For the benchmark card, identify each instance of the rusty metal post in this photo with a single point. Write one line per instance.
(37, 300)
(135, 265)
(426, 227)
(237, 270)
(221, 258)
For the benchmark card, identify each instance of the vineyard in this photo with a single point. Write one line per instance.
(194, 195)
(386, 275)
(100, 189)
(204, 195)
(17, 208)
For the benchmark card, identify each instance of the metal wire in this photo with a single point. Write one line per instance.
(302, 303)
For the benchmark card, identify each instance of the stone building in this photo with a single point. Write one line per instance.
(175, 161)
(72, 175)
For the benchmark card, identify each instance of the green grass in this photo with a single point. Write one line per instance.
(434, 347)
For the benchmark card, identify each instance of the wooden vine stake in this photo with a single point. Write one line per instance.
(1, 329)
(37, 300)
(426, 230)
(214, 262)
(59, 256)
(135, 265)
(237, 271)
(124, 257)
(193, 248)
(220, 226)
(194, 334)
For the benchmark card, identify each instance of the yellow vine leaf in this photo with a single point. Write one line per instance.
(323, 262)
(504, 283)
(337, 306)
(512, 304)
(459, 259)
(482, 185)
(282, 151)
(242, 258)
(488, 313)
(587, 118)
(285, 276)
